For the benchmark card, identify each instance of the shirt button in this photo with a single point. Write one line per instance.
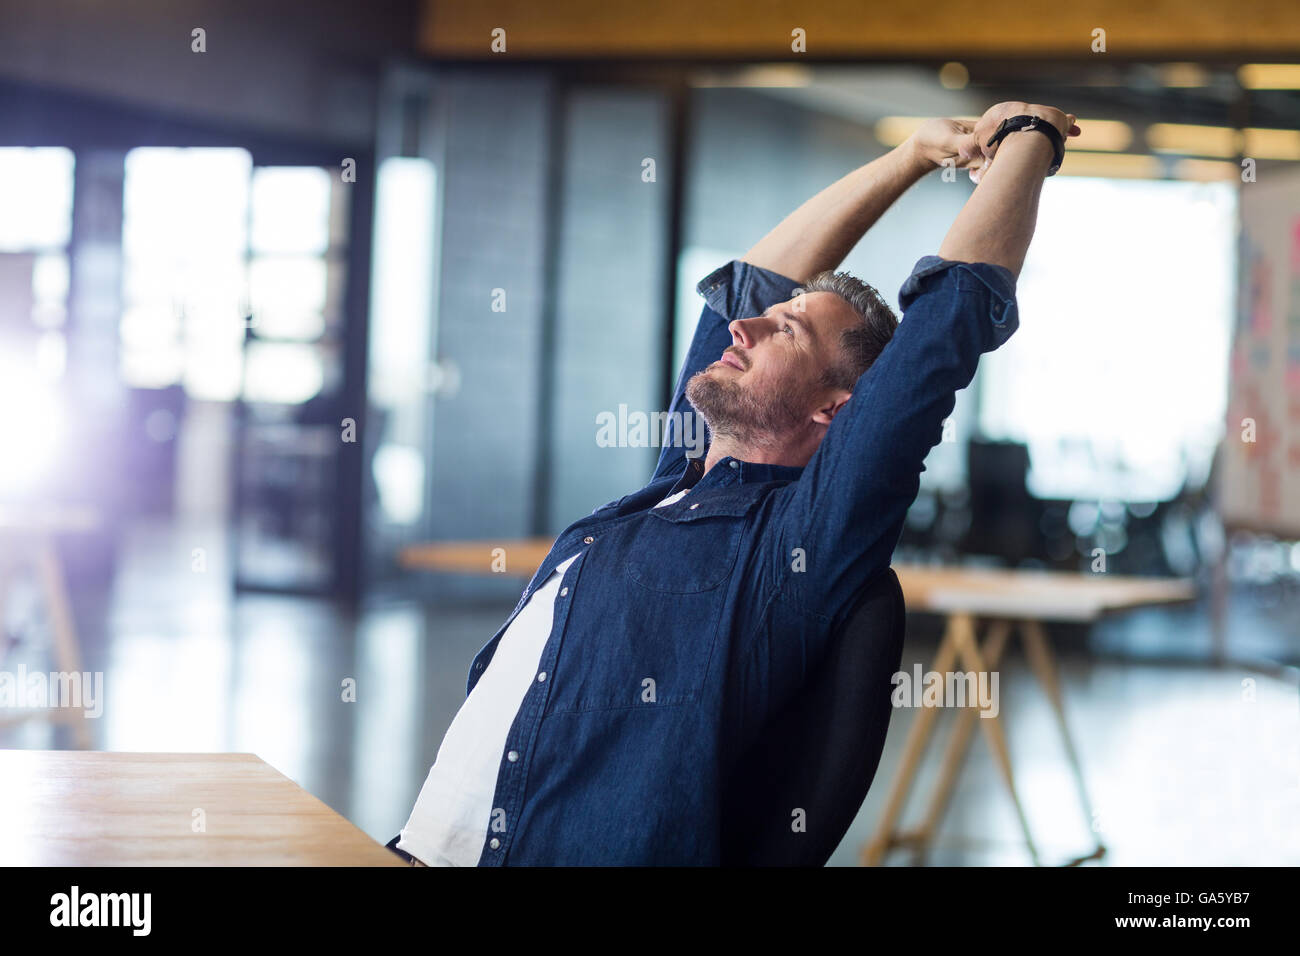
(512, 756)
(588, 539)
(478, 666)
(563, 591)
(541, 676)
(735, 464)
(495, 844)
(694, 506)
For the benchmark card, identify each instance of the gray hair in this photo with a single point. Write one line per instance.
(862, 344)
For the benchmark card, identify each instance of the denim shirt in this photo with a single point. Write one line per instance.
(679, 630)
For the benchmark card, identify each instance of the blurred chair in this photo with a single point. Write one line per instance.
(821, 752)
(1004, 515)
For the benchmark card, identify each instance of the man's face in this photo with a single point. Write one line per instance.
(765, 386)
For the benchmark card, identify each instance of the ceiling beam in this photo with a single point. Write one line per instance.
(847, 29)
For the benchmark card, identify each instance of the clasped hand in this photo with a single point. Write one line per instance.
(962, 143)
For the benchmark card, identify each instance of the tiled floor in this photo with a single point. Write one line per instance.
(1186, 764)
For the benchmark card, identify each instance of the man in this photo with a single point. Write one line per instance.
(663, 629)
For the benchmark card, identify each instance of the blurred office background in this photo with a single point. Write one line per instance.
(349, 281)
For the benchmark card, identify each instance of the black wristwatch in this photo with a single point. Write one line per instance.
(1013, 124)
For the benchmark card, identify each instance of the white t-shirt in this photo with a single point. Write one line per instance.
(453, 812)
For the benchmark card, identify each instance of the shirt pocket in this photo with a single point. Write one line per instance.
(690, 546)
(646, 637)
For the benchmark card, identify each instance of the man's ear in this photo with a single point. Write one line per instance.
(827, 411)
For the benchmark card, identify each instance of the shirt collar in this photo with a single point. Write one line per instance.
(730, 471)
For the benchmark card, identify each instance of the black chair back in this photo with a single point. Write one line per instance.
(820, 753)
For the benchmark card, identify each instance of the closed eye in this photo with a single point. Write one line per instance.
(789, 324)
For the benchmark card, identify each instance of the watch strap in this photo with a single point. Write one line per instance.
(1013, 124)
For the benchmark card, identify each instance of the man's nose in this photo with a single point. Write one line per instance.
(743, 332)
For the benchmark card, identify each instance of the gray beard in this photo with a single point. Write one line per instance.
(736, 413)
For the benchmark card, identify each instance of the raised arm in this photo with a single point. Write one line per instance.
(998, 220)
(821, 232)
(815, 237)
(846, 511)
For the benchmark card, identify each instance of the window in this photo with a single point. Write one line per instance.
(184, 243)
(35, 229)
(1117, 377)
(215, 248)
(36, 187)
(402, 320)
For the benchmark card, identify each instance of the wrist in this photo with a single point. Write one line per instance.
(1054, 116)
(1032, 145)
(913, 155)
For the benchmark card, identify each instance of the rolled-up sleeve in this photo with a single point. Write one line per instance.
(1003, 314)
(740, 290)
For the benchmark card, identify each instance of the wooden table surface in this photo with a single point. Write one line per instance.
(78, 808)
(990, 592)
